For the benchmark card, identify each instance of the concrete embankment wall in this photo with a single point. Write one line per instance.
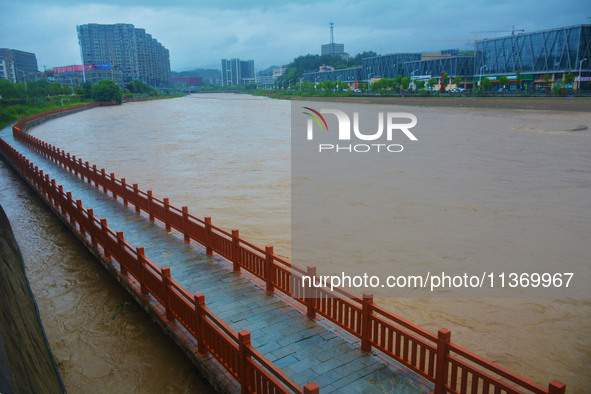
(26, 362)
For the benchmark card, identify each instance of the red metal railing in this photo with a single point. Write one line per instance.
(450, 367)
(233, 350)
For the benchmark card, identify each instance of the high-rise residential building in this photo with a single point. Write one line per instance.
(123, 53)
(237, 72)
(17, 66)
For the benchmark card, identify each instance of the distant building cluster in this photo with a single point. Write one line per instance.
(541, 59)
(17, 66)
(123, 53)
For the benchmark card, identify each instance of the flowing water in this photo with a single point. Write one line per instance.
(228, 157)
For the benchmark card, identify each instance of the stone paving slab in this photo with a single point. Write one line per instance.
(307, 350)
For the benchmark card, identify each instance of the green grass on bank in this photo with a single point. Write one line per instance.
(13, 111)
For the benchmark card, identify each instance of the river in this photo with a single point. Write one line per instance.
(228, 156)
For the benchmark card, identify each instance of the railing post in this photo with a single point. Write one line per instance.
(69, 203)
(49, 188)
(556, 387)
(236, 250)
(94, 170)
(208, 249)
(141, 260)
(68, 162)
(80, 216)
(366, 322)
(104, 179)
(310, 293)
(104, 235)
(58, 201)
(166, 290)
(113, 186)
(166, 211)
(200, 324)
(269, 269)
(122, 267)
(311, 388)
(91, 226)
(87, 170)
(443, 340)
(186, 224)
(244, 357)
(136, 197)
(123, 187)
(150, 198)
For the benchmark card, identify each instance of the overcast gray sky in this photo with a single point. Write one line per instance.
(200, 33)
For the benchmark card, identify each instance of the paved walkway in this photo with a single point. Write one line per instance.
(307, 350)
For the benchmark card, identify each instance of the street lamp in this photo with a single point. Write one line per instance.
(580, 67)
(483, 67)
(413, 81)
(25, 81)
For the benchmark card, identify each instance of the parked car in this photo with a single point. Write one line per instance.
(457, 90)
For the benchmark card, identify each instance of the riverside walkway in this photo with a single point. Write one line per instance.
(286, 337)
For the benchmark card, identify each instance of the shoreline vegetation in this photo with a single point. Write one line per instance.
(19, 100)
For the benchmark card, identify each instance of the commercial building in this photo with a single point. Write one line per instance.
(68, 75)
(542, 58)
(237, 72)
(18, 66)
(454, 66)
(123, 53)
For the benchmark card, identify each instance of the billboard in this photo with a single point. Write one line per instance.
(100, 66)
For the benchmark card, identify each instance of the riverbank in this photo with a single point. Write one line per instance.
(26, 362)
(578, 104)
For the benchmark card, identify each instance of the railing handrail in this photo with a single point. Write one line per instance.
(69, 207)
(349, 300)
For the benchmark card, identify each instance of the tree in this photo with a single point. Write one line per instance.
(486, 84)
(457, 80)
(431, 82)
(503, 80)
(444, 81)
(8, 90)
(139, 87)
(568, 79)
(405, 82)
(397, 82)
(106, 90)
(84, 90)
(419, 84)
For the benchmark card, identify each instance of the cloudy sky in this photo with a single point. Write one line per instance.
(200, 33)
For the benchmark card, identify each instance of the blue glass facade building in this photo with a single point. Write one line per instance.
(547, 54)
(540, 58)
